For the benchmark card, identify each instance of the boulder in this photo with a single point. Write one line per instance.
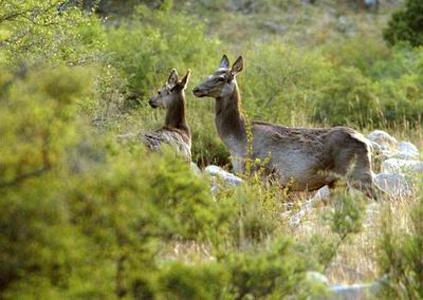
(383, 139)
(393, 184)
(395, 165)
(407, 150)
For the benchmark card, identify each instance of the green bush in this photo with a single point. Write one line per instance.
(204, 281)
(275, 272)
(155, 41)
(349, 98)
(80, 213)
(280, 83)
(35, 32)
(406, 25)
(400, 255)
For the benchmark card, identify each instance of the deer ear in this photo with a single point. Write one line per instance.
(173, 77)
(224, 62)
(237, 66)
(184, 81)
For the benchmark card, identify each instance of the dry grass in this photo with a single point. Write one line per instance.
(357, 257)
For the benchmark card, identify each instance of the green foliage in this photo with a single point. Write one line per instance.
(280, 84)
(80, 214)
(401, 255)
(36, 31)
(180, 281)
(249, 215)
(347, 215)
(348, 98)
(154, 42)
(406, 25)
(275, 272)
(45, 103)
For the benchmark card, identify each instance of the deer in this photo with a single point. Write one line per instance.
(175, 131)
(301, 159)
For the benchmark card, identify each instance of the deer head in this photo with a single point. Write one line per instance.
(222, 82)
(171, 90)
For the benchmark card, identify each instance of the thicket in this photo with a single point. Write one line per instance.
(84, 217)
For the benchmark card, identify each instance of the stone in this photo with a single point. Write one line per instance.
(316, 277)
(383, 139)
(224, 175)
(321, 194)
(393, 184)
(407, 150)
(354, 291)
(395, 165)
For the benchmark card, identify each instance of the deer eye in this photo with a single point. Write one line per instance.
(220, 79)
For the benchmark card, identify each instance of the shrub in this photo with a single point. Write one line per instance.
(406, 25)
(281, 83)
(400, 255)
(36, 32)
(80, 213)
(154, 42)
(273, 272)
(204, 281)
(348, 98)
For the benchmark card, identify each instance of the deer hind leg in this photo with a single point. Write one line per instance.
(354, 163)
(361, 176)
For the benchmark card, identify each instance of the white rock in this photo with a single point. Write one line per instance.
(226, 176)
(322, 193)
(382, 138)
(394, 165)
(317, 277)
(353, 292)
(407, 150)
(308, 206)
(393, 184)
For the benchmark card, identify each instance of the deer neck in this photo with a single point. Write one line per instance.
(175, 115)
(230, 122)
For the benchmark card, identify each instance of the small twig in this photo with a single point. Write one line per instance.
(22, 177)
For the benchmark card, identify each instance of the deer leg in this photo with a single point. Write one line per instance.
(362, 176)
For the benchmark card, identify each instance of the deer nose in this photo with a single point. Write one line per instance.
(151, 103)
(196, 91)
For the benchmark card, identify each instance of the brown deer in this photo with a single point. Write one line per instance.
(175, 131)
(302, 158)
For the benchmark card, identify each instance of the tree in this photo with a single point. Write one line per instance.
(406, 25)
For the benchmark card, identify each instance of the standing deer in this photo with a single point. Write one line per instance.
(302, 158)
(175, 131)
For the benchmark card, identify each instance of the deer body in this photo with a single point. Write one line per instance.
(302, 158)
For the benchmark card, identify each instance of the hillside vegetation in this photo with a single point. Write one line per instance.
(83, 216)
